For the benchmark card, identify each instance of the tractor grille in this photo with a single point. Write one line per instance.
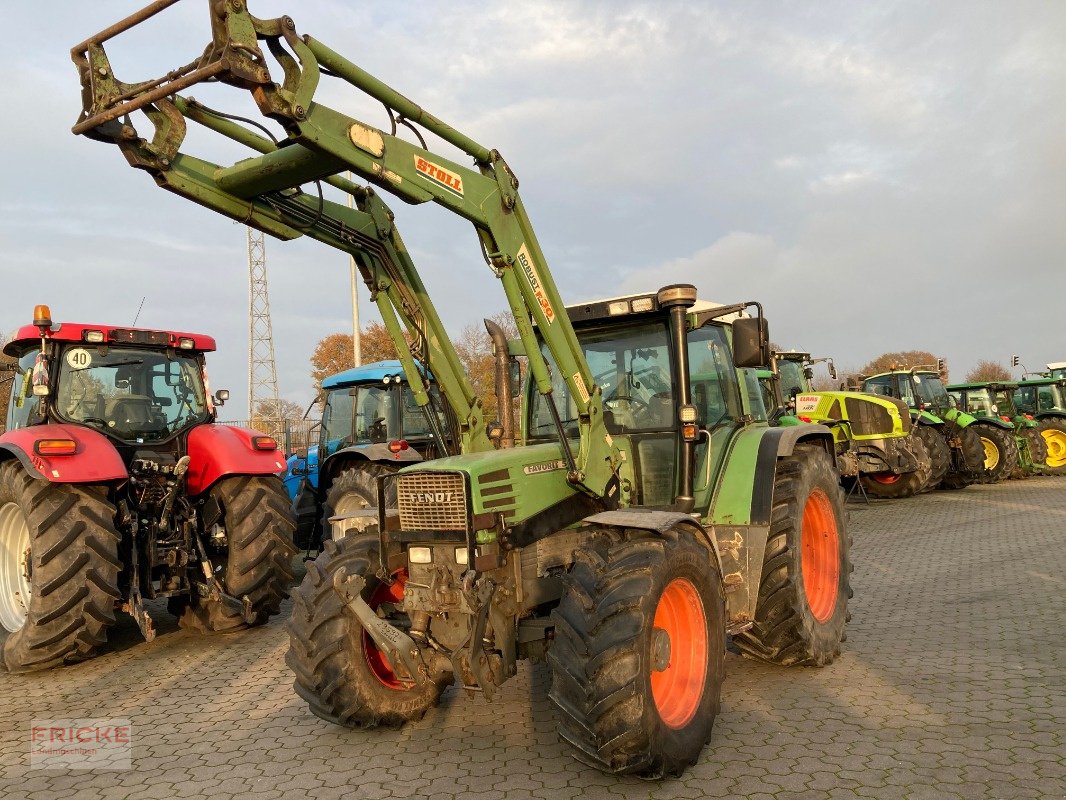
(431, 501)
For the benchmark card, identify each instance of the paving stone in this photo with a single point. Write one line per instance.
(949, 686)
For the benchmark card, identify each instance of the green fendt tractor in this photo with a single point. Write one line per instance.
(873, 435)
(1044, 399)
(1012, 441)
(643, 513)
(955, 450)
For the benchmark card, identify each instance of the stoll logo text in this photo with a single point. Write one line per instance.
(425, 498)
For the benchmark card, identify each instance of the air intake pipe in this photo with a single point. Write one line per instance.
(504, 398)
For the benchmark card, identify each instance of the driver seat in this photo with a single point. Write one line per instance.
(129, 412)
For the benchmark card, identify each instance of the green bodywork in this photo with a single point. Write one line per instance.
(993, 402)
(586, 464)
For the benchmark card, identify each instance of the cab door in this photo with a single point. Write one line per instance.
(715, 392)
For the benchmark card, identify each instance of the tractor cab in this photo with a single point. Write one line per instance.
(1041, 395)
(921, 389)
(140, 388)
(993, 399)
(795, 373)
(674, 389)
(1057, 370)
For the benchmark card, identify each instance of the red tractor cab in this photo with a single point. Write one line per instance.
(117, 486)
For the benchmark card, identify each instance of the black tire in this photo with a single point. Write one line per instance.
(328, 649)
(797, 620)
(1006, 449)
(908, 484)
(1053, 431)
(939, 454)
(1038, 453)
(257, 564)
(603, 656)
(968, 463)
(356, 487)
(73, 569)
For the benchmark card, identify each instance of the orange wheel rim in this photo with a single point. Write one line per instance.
(886, 478)
(679, 653)
(820, 555)
(375, 659)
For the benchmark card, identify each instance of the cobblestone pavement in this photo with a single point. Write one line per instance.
(952, 685)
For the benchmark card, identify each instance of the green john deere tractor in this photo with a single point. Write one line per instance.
(954, 450)
(1011, 439)
(645, 509)
(1044, 399)
(873, 435)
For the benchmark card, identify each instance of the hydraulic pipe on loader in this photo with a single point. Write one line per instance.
(264, 191)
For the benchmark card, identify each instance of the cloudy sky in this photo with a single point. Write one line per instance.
(881, 176)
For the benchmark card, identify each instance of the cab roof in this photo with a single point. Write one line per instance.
(955, 387)
(112, 334)
(370, 373)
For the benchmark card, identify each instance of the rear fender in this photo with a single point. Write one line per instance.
(95, 461)
(218, 451)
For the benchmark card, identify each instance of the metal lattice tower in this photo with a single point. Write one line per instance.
(262, 372)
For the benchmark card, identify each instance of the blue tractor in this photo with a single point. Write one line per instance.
(371, 426)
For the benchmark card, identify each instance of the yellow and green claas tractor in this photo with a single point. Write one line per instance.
(1044, 399)
(872, 434)
(954, 449)
(1012, 439)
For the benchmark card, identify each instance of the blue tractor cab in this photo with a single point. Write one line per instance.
(371, 425)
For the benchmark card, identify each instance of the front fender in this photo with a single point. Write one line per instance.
(95, 461)
(217, 451)
(377, 453)
(996, 421)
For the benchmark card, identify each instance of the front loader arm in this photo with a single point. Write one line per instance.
(321, 143)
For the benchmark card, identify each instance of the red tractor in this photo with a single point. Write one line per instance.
(117, 486)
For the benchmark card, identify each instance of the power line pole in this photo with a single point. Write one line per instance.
(262, 371)
(357, 347)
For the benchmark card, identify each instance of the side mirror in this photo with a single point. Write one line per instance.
(832, 369)
(751, 342)
(514, 374)
(221, 396)
(39, 376)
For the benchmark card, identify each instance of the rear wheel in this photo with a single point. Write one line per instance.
(638, 656)
(1053, 432)
(340, 672)
(59, 570)
(891, 485)
(805, 587)
(1001, 452)
(939, 454)
(968, 463)
(258, 561)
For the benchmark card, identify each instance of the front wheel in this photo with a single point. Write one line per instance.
(355, 489)
(1038, 452)
(257, 563)
(1053, 432)
(891, 485)
(638, 657)
(968, 462)
(59, 570)
(1001, 452)
(340, 672)
(803, 597)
